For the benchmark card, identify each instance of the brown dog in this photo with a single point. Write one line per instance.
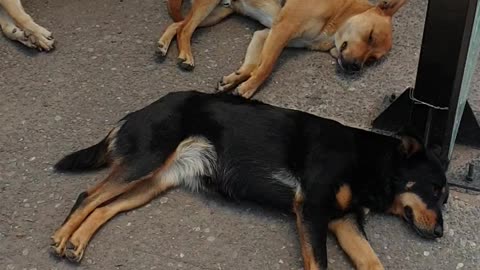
(17, 25)
(353, 31)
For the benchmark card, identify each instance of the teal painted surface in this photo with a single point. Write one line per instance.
(470, 66)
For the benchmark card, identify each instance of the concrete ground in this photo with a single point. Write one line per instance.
(104, 66)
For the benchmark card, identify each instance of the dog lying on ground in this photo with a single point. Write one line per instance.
(17, 25)
(247, 150)
(355, 32)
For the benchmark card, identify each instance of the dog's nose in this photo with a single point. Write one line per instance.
(353, 67)
(438, 231)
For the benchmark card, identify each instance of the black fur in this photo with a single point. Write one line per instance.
(81, 197)
(253, 140)
(91, 158)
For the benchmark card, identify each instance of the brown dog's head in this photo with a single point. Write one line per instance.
(366, 37)
(420, 188)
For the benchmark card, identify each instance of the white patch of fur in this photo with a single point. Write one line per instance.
(194, 157)
(112, 136)
(286, 178)
(254, 12)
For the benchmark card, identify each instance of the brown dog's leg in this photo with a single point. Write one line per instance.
(34, 35)
(216, 16)
(252, 59)
(200, 10)
(309, 262)
(106, 190)
(276, 41)
(355, 245)
(143, 192)
(167, 37)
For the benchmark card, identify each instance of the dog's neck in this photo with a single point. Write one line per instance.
(343, 11)
(377, 154)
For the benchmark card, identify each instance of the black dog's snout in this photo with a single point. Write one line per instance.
(438, 231)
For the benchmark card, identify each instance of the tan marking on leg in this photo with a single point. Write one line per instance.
(309, 262)
(106, 190)
(344, 197)
(355, 245)
(143, 192)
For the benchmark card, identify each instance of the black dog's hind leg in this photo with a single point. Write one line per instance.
(312, 230)
(317, 223)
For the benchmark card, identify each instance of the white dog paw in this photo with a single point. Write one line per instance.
(41, 38)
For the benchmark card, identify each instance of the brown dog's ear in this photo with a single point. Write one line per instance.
(390, 7)
(409, 146)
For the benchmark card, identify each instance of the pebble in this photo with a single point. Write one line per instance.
(451, 232)
(197, 229)
(210, 239)
(459, 265)
(90, 50)
(58, 118)
(163, 200)
(25, 252)
(426, 253)
(129, 224)
(280, 261)
(207, 230)
(182, 255)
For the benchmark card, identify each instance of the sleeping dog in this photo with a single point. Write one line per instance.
(17, 25)
(355, 32)
(247, 150)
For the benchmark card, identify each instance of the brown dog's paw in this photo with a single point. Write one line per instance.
(57, 248)
(239, 91)
(223, 86)
(74, 253)
(162, 50)
(183, 64)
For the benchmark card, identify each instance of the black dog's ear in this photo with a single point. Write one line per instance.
(409, 146)
(410, 141)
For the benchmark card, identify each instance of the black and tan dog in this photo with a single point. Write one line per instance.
(252, 151)
(355, 32)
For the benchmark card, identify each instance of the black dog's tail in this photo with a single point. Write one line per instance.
(91, 158)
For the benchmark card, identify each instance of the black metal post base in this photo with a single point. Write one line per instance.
(399, 115)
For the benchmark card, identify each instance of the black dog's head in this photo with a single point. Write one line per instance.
(420, 188)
